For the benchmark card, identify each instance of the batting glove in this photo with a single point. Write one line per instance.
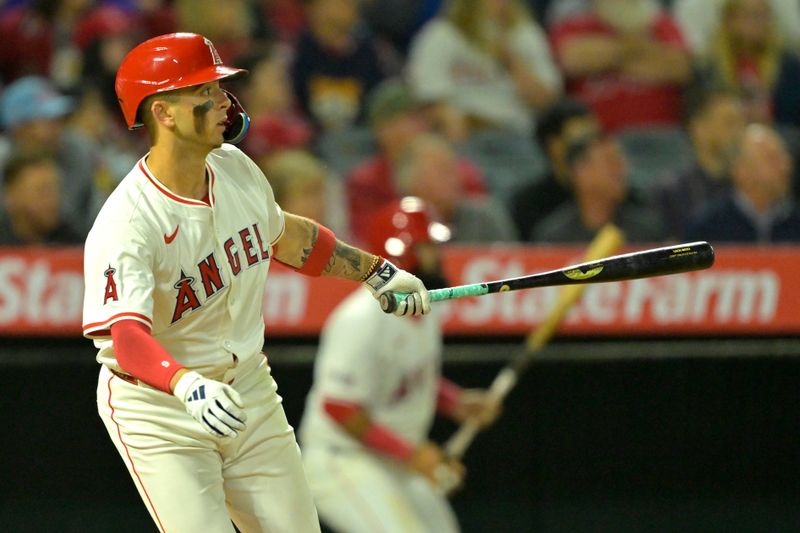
(217, 406)
(444, 473)
(388, 277)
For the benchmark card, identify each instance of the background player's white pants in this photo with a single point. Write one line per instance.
(191, 481)
(358, 492)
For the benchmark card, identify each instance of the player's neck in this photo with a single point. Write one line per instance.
(182, 171)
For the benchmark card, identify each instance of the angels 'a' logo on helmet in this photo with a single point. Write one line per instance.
(214, 54)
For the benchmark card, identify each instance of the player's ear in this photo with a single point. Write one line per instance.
(162, 112)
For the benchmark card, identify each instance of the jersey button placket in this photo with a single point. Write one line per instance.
(226, 344)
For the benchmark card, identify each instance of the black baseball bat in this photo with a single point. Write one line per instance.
(643, 264)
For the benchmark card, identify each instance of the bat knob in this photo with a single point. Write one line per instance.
(388, 302)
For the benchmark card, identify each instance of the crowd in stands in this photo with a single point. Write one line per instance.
(518, 120)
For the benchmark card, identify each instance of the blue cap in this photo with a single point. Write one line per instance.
(32, 98)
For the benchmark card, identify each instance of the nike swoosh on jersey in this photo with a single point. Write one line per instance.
(169, 238)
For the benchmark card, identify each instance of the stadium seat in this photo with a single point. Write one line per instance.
(653, 153)
(343, 150)
(506, 159)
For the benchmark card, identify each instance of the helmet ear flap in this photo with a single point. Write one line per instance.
(238, 121)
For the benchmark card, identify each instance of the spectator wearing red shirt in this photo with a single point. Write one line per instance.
(627, 59)
(396, 120)
(37, 40)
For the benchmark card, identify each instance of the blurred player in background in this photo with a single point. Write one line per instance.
(175, 268)
(377, 386)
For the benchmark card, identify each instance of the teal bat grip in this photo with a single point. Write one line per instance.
(391, 300)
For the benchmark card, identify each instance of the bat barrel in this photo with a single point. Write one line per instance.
(675, 259)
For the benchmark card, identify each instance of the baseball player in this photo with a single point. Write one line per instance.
(175, 267)
(376, 389)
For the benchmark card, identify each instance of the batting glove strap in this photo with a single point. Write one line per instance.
(382, 276)
(388, 277)
(218, 407)
(183, 385)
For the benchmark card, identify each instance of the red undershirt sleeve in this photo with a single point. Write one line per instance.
(141, 356)
(376, 437)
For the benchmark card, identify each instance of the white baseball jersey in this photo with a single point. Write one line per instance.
(193, 272)
(390, 366)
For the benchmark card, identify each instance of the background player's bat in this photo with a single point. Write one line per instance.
(607, 241)
(644, 264)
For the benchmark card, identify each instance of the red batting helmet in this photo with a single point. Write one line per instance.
(164, 63)
(395, 228)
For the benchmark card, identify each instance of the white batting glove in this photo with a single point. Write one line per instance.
(217, 406)
(388, 277)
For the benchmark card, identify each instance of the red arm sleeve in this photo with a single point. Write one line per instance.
(376, 437)
(447, 397)
(141, 356)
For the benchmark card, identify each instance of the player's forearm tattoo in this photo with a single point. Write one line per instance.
(312, 243)
(347, 262)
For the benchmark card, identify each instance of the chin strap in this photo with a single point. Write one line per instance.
(238, 121)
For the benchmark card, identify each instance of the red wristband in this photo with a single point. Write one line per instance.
(320, 254)
(448, 397)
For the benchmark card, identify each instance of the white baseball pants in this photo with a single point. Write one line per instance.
(192, 481)
(359, 492)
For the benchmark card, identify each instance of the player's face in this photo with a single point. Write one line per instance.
(200, 114)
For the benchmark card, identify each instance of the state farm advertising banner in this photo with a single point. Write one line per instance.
(748, 290)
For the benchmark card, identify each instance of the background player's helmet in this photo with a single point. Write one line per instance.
(168, 62)
(395, 228)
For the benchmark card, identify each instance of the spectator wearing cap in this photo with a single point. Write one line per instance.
(396, 120)
(598, 178)
(33, 114)
(266, 93)
(31, 203)
(559, 125)
(760, 208)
